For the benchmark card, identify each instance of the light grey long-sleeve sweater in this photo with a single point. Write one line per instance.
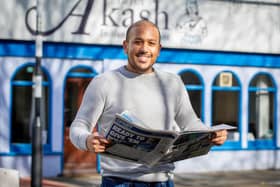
(159, 99)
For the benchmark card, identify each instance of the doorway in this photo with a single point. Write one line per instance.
(76, 162)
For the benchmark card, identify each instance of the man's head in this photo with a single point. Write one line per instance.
(142, 46)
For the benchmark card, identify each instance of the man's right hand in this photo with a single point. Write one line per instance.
(96, 143)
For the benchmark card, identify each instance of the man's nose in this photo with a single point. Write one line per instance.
(144, 47)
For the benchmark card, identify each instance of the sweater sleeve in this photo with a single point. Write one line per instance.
(88, 114)
(185, 116)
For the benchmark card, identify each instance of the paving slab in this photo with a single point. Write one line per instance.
(269, 178)
(260, 178)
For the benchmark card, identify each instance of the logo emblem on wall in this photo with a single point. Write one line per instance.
(192, 24)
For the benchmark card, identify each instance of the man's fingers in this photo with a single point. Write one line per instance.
(222, 133)
(96, 143)
(101, 140)
(219, 140)
(219, 137)
(99, 148)
(104, 140)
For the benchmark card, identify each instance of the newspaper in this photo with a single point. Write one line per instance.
(133, 142)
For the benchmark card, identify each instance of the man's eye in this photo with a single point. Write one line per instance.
(137, 42)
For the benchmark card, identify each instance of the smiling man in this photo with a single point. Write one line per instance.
(157, 98)
(142, 46)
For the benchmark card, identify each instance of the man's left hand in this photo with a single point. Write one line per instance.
(219, 137)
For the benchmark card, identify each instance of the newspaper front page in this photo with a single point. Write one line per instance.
(131, 142)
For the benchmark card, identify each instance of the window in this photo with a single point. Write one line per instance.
(261, 128)
(22, 110)
(226, 102)
(77, 81)
(195, 90)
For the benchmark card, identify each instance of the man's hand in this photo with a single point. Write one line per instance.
(96, 143)
(219, 137)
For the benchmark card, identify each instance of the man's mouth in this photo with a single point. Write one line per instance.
(143, 57)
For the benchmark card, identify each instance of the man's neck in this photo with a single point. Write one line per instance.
(128, 68)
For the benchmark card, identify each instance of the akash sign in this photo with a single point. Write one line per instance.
(197, 24)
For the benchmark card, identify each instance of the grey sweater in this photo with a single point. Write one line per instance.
(159, 99)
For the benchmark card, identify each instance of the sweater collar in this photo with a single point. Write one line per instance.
(130, 74)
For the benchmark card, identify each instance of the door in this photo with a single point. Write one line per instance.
(75, 161)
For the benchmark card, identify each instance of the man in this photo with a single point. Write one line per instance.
(158, 98)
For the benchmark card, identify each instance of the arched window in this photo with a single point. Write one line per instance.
(194, 86)
(22, 110)
(226, 102)
(262, 92)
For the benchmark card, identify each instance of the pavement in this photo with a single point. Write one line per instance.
(259, 178)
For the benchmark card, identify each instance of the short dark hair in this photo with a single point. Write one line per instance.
(138, 23)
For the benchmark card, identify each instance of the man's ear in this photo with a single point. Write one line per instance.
(125, 46)
(159, 49)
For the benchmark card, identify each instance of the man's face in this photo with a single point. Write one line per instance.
(142, 48)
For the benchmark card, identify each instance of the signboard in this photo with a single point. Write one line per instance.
(225, 25)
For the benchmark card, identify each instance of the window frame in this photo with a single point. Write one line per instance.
(26, 148)
(70, 74)
(194, 87)
(229, 144)
(268, 144)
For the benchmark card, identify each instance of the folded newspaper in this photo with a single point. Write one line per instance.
(132, 142)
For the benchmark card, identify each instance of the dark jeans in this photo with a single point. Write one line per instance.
(119, 182)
